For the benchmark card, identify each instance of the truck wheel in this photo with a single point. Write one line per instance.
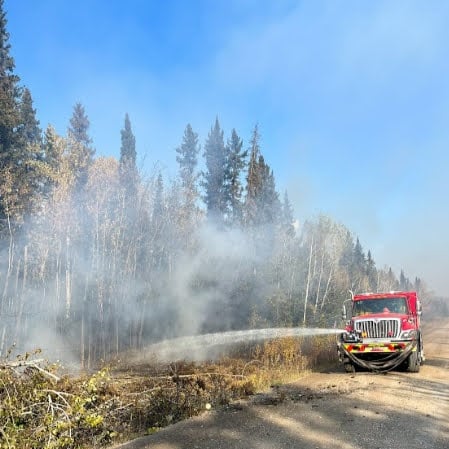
(414, 362)
(422, 357)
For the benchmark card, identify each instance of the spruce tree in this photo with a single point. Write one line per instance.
(20, 148)
(128, 148)
(359, 259)
(236, 164)
(253, 180)
(188, 211)
(80, 148)
(79, 129)
(29, 130)
(215, 176)
(9, 117)
(52, 154)
(268, 199)
(55, 168)
(404, 282)
(392, 280)
(30, 144)
(347, 252)
(371, 272)
(262, 204)
(187, 159)
(9, 94)
(128, 166)
(358, 268)
(287, 217)
(417, 285)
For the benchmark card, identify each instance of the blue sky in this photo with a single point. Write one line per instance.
(351, 98)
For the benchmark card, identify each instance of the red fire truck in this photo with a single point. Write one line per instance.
(382, 332)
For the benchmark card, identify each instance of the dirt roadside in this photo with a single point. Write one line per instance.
(331, 410)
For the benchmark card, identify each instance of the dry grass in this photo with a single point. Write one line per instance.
(120, 401)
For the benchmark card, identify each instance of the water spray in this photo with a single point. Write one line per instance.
(181, 346)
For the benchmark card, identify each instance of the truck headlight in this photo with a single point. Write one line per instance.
(349, 336)
(409, 334)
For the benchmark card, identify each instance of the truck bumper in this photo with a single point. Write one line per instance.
(366, 348)
(376, 356)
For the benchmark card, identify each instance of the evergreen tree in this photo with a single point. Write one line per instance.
(128, 167)
(53, 147)
(347, 253)
(9, 94)
(371, 273)
(268, 199)
(417, 286)
(187, 159)
(80, 148)
(236, 164)
(29, 130)
(359, 260)
(392, 280)
(30, 144)
(51, 150)
(20, 148)
(287, 217)
(9, 117)
(79, 129)
(262, 204)
(358, 269)
(253, 180)
(215, 177)
(188, 211)
(404, 282)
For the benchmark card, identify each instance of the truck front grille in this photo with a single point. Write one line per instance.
(378, 328)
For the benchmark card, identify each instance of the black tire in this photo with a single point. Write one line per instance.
(422, 357)
(414, 362)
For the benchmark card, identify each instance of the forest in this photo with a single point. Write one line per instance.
(97, 257)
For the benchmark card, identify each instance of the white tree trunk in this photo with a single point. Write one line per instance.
(309, 269)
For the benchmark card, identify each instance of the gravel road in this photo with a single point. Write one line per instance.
(335, 410)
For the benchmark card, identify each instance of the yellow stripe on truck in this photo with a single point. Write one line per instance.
(374, 347)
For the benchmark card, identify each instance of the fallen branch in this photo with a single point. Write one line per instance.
(31, 364)
(47, 373)
(187, 376)
(20, 363)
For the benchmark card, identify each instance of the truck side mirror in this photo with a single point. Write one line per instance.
(418, 308)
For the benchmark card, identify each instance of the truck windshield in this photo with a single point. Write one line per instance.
(379, 305)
